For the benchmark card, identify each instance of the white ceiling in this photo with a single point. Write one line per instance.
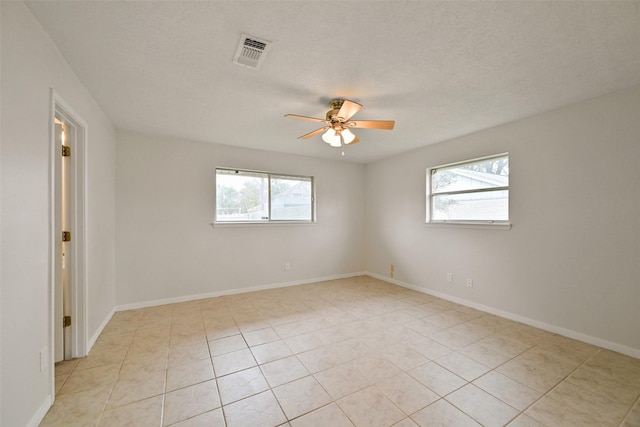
(439, 69)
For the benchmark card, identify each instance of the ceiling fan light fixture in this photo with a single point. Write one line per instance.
(348, 136)
(332, 137)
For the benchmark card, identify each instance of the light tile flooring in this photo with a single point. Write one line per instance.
(355, 351)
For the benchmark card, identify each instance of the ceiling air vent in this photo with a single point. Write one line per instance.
(251, 51)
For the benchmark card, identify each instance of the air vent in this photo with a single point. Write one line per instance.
(251, 51)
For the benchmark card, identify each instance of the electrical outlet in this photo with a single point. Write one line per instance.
(43, 358)
(287, 266)
(469, 283)
(449, 277)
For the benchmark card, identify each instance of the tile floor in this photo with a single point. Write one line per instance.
(350, 352)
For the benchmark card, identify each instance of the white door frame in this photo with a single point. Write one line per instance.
(78, 309)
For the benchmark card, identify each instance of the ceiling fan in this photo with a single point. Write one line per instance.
(337, 129)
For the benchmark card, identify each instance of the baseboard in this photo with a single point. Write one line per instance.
(620, 348)
(186, 298)
(41, 412)
(98, 331)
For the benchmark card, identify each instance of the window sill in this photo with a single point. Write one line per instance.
(476, 225)
(261, 224)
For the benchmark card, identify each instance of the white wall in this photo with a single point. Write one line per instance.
(572, 258)
(570, 261)
(31, 66)
(166, 247)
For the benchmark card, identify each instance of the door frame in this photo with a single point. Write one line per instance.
(78, 289)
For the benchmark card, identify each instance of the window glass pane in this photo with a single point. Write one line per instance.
(484, 205)
(486, 173)
(248, 196)
(291, 198)
(241, 196)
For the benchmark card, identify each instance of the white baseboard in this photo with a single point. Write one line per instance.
(98, 331)
(620, 348)
(186, 298)
(41, 412)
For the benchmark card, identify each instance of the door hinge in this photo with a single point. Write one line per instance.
(66, 236)
(66, 151)
(66, 321)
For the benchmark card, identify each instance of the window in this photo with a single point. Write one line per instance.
(475, 191)
(249, 196)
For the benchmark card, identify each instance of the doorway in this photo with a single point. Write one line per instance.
(68, 284)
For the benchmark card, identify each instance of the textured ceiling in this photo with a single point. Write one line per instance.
(440, 69)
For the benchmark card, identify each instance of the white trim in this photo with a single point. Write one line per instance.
(153, 303)
(79, 303)
(233, 224)
(37, 418)
(58, 106)
(52, 242)
(462, 162)
(477, 225)
(96, 335)
(620, 348)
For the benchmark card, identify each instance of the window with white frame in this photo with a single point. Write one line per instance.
(474, 191)
(262, 197)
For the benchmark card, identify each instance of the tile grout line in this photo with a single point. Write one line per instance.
(261, 307)
(628, 414)
(166, 376)
(113, 386)
(520, 412)
(556, 385)
(213, 368)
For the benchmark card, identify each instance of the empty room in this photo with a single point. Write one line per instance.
(306, 213)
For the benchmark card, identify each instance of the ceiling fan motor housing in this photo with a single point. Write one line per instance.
(336, 104)
(332, 115)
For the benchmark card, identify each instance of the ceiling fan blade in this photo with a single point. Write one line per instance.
(373, 124)
(313, 119)
(313, 133)
(356, 139)
(348, 109)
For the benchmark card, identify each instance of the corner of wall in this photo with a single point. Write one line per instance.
(98, 331)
